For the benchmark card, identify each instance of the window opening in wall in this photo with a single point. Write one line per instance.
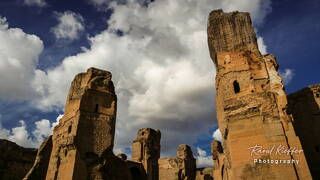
(236, 86)
(222, 171)
(96, 108)
(69, 129)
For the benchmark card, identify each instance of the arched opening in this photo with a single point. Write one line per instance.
(135, 173)
(207, 177)
(96, 109)
(236, 86)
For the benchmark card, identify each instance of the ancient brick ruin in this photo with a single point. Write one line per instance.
(252, 109)
(304, 105)
(251, 104)
(81, 146)
(84, 136)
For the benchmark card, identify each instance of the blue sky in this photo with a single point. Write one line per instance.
(292, 33)
(157, 53)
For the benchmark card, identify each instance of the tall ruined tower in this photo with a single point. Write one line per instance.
(146, 150)
(85, 134)
(251, 105)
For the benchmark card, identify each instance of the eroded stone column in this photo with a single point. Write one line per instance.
(83, 139)
(146, 150)
(187, 163)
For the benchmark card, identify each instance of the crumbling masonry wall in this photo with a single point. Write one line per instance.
(250, 102)
(304, 106)
(83, 139)
(15, 161)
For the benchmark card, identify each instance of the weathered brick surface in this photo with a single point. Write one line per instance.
(86, 130)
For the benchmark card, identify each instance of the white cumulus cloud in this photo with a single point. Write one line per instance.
(217, 135)
(262, 46)
(161, 67)
(286, 75)
(257, 8)
(39, 3)
(22, 137)
(203, 160)
(18, 134)
(19, 54)
(163, 74)
(99, 3)
(70, 25)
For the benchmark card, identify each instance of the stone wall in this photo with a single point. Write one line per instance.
(40, 166)
(15, 161)
(304, 106)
